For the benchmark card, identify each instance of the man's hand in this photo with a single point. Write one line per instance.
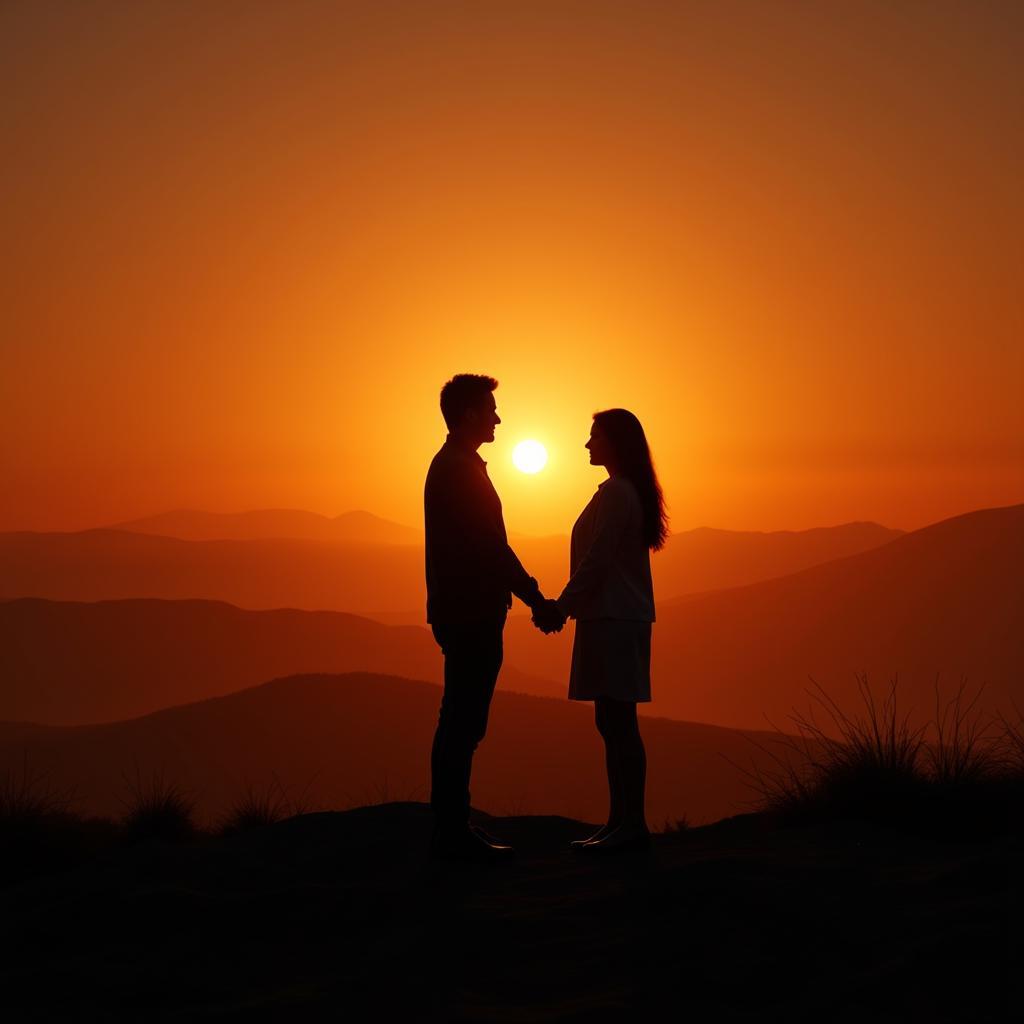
(548, 617)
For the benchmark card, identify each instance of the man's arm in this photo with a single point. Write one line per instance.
(466, 534)
(518, 580)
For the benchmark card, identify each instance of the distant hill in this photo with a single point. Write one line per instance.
(97, 565)
(708, 559)
(694, 560)
(357, 527)
(350, 739)
(71, 663)
(947, 599)
(379, 578)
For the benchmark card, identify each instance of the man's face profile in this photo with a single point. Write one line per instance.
(481, 420)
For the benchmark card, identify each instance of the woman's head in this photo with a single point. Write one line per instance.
(617, 441)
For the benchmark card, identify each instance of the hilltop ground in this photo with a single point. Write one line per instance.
(341, 916)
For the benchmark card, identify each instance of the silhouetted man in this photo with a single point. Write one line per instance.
(471, 576)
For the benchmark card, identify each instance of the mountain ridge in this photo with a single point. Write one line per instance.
(363, 578)
(354, 526)
(944, 601)
(76, 663)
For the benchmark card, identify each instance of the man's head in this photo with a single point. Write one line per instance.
(468, 407)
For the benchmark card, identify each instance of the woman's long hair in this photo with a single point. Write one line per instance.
(633, 460)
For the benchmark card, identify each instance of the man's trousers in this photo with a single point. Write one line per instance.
(472, 659)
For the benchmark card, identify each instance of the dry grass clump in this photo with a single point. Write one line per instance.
(28, 796)
(258, 807)
(865, 764)
(39, 831)
(965, 751)
(676, 826)
(1011, 752)
(157, 809)
(1012, 747)
(955, 775)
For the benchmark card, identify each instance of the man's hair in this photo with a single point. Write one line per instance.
(463, 392)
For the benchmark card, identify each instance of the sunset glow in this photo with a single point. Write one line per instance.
(796, 262)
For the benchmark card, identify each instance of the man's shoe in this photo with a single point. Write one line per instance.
(495, 844)
(467, 846)
(617, 842)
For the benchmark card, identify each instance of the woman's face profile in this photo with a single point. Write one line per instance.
(597, 445)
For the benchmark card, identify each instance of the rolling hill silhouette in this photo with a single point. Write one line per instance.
(356, 527)
(350, 739)
(375, 579)
(708, 559)
(940, 600)
(72, 663)
(947, 599)
(696, 560)
(97, 565)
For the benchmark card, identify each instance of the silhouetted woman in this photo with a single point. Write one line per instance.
(611, 597)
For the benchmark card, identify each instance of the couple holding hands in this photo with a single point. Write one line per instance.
(472, 573)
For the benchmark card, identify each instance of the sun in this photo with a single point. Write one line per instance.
(529, 456)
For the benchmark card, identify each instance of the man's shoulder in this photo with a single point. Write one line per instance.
(449, 465)
(439, 459)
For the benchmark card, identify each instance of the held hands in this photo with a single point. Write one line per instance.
(547, 617)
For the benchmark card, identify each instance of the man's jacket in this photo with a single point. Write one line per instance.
(471, 570)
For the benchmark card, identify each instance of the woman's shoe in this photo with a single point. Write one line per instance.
(619, 841)
(577, 844)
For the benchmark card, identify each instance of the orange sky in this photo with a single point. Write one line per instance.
(245, 244)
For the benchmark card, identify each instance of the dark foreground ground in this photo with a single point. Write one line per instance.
(339, 916)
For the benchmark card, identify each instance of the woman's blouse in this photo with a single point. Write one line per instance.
(610, 564)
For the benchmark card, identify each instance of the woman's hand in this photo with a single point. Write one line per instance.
(548, 617)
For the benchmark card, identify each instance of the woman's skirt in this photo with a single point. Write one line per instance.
(611, 658)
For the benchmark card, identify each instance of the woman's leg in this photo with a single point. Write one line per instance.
(627, 765)
(616, 792)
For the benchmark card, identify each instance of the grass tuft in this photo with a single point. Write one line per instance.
(676, 826)
(953, 776)
(39, 832)
(1012, 744)
(866, 764)
(27, 796)
(257, 808)
(964, 753)
(157, 809)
